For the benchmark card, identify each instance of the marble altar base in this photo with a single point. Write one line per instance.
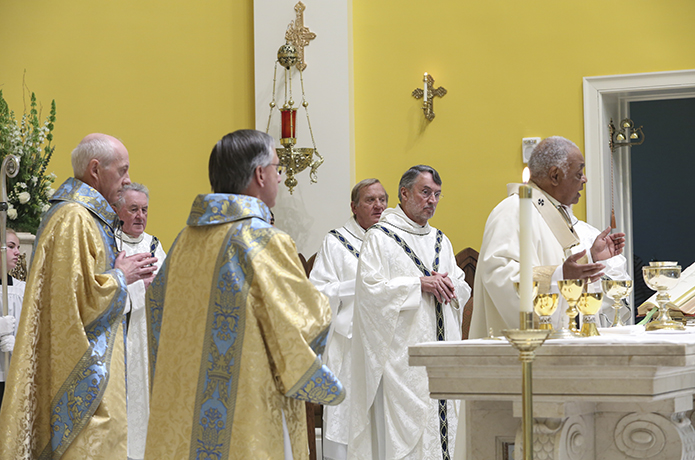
(611, 397)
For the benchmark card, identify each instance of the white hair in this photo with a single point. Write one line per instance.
(551, 151)
(100, 148)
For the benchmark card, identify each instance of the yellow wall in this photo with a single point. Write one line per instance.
(512, 69)
(167, 77)
(170, 77)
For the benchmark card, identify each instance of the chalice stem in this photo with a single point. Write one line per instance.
(617, 321)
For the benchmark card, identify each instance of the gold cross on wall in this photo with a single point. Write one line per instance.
(299, 35)
(428, 94)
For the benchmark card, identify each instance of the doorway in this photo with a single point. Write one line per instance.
(610, 97)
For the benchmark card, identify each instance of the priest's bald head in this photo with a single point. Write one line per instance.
(419, 191)
(101, 161)
(245, 163)
(557, 167)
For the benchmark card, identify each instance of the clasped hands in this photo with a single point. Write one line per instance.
(137, 267)
(606, 245)
(440, 285)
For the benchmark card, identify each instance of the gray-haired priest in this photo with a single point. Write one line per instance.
(408, 290)
(334, 274)
(132, 209)
(236, 324)
(563, 246)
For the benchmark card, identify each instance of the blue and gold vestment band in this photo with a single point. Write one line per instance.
(233, 320)
(67, 383)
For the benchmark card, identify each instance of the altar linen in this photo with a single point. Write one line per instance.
(389, 397)
(235, 329)
(65, 396)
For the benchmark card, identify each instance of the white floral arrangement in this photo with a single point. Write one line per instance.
(29, 192)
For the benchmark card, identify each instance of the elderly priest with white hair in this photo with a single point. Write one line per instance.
(132, 209)
(66, 393)
(334, 274)
(563, 246)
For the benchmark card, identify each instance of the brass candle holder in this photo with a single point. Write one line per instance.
(662, 276)
(589, 304)
(571, 290)
(617, 290)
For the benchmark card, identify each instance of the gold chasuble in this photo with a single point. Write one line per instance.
(235, 328)
(65, 395)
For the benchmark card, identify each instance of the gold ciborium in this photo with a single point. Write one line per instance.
(617, 290)
(660, 277)
(589, 304)
(571, 290)
(545, 305)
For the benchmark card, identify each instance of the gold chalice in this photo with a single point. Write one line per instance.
(545, 305)
(660, 277)
(617, 290)
(589, 304)
(571, 290)
(535, 288)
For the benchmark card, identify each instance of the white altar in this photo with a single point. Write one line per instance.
(626, 395)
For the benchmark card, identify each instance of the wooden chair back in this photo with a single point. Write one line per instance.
(467, 260)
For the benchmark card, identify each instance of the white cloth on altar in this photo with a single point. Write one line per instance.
(15, 296)
(334, 274)
(391, 313)
(137, 370)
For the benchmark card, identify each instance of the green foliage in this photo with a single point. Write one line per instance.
(30, 141)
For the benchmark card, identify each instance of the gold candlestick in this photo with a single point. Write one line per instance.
(526, 340)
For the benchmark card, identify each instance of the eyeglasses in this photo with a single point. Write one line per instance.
(279, 167)
(427, 193)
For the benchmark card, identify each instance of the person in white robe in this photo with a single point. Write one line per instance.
(408, 290)
(132, 209)
(15, 296)
(560, 251)
(334, 274)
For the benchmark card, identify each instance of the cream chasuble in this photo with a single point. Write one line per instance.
(138, 387)
(496, 302)
(235, 328)
(334, 274)
(390, 399)
(65, 395)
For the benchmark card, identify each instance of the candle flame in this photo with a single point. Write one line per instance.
(526, 175)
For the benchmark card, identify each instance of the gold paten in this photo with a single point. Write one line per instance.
(571, 290)
(617, 290)
(545, 305)
(526, 340)
(588, 305)
(660, 277)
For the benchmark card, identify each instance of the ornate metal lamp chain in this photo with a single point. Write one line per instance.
(305, 104)
(272, 102)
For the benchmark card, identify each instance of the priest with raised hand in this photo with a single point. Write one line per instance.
(65, 397)
(334, 274)
(131, 237)
(563, 247)
(235, 325)
(408, 290)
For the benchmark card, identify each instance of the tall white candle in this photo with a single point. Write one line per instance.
(525, 246)
(425, 88)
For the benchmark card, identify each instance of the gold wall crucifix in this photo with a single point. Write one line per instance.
(427, 94)
(299, 35)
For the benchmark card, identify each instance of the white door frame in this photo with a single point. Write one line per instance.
(608, 97)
